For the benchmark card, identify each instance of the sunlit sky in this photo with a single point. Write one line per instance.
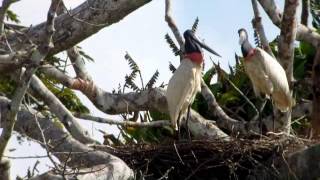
(142, 35)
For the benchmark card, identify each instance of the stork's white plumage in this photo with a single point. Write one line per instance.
(186, 80)
(182, 89)
(266, 74)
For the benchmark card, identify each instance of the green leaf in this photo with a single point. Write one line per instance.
(11, 16)
(208, 75)
(176, 51)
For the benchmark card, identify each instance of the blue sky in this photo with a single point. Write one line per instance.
(142, 35)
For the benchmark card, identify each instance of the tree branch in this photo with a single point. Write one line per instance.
(70, 31)
(173, 25)
(303, 33)
(159, 123)
(257, 25)
(3, 10)
(36, 57)
(286, 54)
(62, 144)
(57, 108)
(151, 99)
(78, 64)
(305, 12)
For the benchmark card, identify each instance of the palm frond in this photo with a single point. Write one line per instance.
(195, 25)
(257, 39)
(172, 45)
(315, 12)
(133, 65)
(153, 80)
(172, 68)
(129, 82)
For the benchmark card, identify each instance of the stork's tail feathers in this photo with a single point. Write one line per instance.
(283, 102)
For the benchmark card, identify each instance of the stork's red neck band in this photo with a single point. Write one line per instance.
(250, 54)
(195, 57)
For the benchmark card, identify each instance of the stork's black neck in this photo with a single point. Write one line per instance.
(191, 46)
(246, 48)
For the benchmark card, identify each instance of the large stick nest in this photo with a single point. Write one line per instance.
(214, 159)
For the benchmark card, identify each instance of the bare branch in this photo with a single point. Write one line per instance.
(287, 37)
(257, 25)
(303, 33)
(222, 119)
(159, 123)
(78, 64)
(173, 26)
(3, 10)
(305, 12)
(36, 57)
(57, 108)
(62, 143)
(286, 54)
(45, 142)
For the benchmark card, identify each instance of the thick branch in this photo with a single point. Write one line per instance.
(80, 23)
(303, 32)
(3, 10)
(305, 12)
(61, 143)
(23, 84)
(78, 64)
(257, 24)
(172, 25)
(151, 99)
(57, 108)
(287, 37)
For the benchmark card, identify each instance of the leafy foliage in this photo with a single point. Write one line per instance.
(152, 80)
(176, 51)
(84, 54)
(195, 25)
(315, 12)
(172, 68)
(257, 39)
(11, 16)
(65, 95)
(133, 65)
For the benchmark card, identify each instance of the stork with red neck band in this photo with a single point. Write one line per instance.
(186, 80)
(266, 74)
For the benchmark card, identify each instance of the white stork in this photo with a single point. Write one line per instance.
(266, 74)
(186, 80)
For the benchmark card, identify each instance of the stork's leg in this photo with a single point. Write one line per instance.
(258, 116)
(178, 124)
(187, 122)
(260, 113)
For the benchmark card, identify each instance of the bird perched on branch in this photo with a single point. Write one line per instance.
(266, 74)
(186, 80)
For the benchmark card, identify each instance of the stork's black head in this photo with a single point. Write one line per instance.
(192, 44)
(244, 42)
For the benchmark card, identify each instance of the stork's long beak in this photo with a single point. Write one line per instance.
(205, 46)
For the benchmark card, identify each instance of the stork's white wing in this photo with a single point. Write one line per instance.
(258, 76)
(274, 70)
(180, 90)
(281, 93)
